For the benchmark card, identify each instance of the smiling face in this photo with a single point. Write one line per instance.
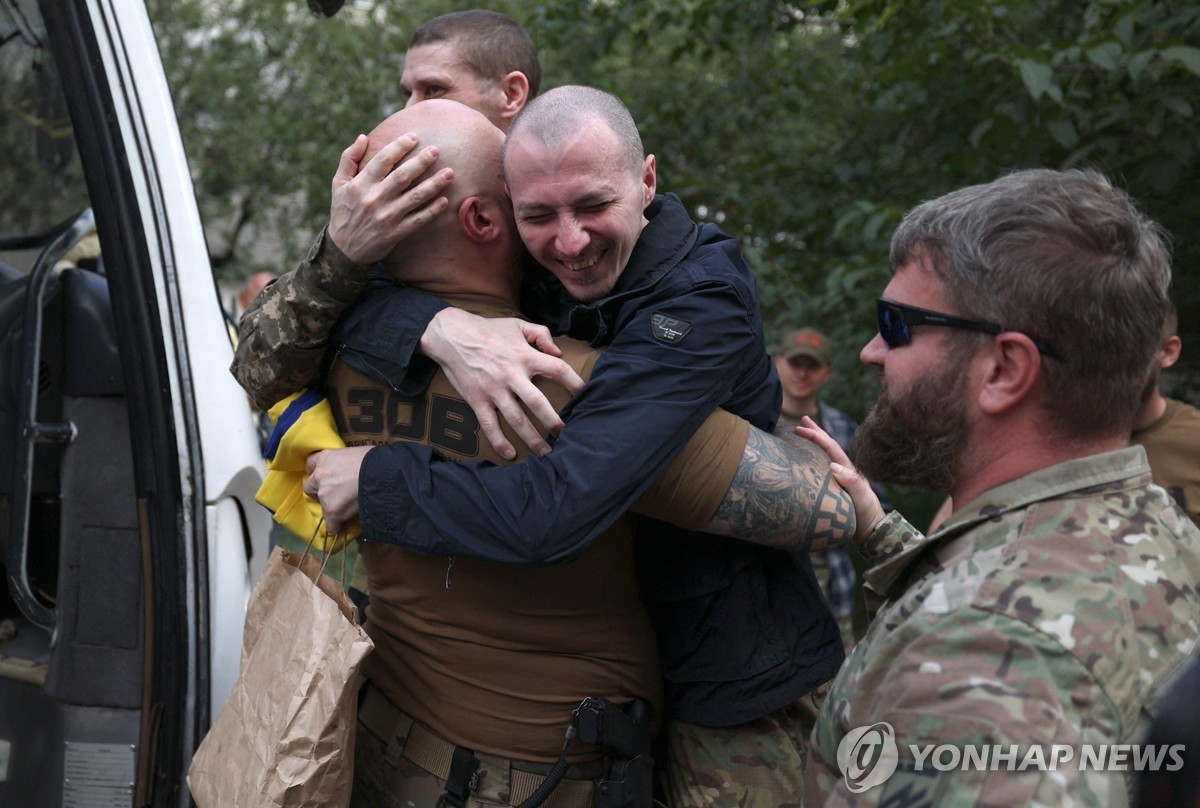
(802, 377)
(579, 205)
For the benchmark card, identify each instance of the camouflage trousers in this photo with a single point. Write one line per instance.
(759, 764)
(395, 762)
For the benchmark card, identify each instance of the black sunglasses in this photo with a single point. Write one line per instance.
(896, 322)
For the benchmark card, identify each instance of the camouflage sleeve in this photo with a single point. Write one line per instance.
(890, 538)
(282, 336)
(977, 709)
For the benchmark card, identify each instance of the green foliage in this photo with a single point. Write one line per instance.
(965, 90)
(805, 129)
(268, 95)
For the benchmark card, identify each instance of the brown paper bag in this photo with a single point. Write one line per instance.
(285, 737)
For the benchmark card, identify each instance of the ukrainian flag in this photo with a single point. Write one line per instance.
(303, 424)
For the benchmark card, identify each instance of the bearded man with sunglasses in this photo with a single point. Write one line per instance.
(1039, 621)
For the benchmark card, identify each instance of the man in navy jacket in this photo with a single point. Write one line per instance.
(743, 635)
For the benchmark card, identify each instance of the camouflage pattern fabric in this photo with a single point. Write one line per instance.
(759, 764)
(283, 334)
(1047, 611)
(380, 784)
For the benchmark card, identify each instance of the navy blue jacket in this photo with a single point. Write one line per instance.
(740, 633)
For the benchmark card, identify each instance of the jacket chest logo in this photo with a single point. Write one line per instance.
(669, 329)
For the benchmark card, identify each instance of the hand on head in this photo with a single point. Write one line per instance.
(378, 202)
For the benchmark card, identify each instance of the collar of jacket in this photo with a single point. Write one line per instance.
(668, 237)
(366, 334)
(1121, 468)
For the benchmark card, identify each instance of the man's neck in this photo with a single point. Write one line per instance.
(473, 273)
(1149, 413)
(1001, 460)
(799, 407)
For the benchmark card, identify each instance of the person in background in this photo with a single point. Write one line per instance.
(1169, 430)
(1016, 335)
(804, 360)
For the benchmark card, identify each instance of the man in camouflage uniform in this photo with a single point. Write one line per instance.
(1062, 593)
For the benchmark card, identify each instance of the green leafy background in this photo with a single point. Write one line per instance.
(805, 129)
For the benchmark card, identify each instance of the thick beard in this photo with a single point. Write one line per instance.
(915, 439)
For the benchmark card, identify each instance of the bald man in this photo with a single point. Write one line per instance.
(482, 662)
(477, 57)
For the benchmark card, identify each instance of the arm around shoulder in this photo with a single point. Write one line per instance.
(283, 334)
(783, 495)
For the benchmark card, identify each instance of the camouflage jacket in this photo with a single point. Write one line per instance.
(1046, 612)
(283, 335)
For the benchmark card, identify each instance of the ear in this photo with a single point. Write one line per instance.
(479, 219)
(515, 87)
(1012, 369)
(1169, 353)
(649, 181)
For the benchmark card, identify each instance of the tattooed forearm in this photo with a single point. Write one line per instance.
(783, 495)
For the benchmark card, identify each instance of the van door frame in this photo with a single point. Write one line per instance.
(95, 52)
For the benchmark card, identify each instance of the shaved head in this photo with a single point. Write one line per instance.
(473, 246)
(564, 112)
(469, 143)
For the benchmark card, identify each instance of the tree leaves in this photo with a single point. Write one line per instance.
(1039, 79)
(806, 129)
(1187, 56)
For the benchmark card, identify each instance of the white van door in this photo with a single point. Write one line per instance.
(129, 537)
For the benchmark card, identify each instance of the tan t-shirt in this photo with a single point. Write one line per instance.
(494, 657)
(1172, 446)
